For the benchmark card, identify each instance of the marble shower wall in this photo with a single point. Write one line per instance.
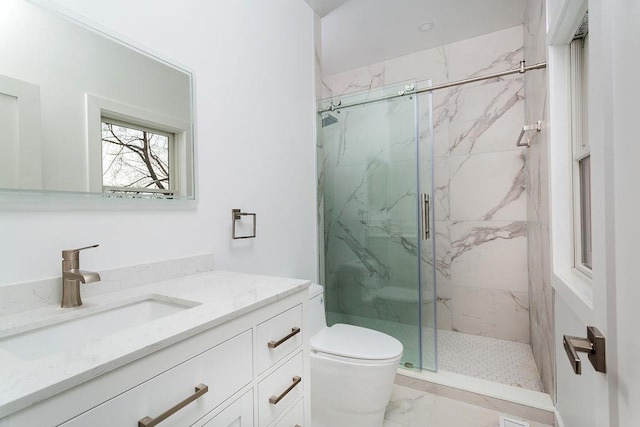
(537, 178)
(480, 205)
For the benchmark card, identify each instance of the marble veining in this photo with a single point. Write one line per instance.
(514, 193)
(506, 95)
(477, 236)
(366, 257)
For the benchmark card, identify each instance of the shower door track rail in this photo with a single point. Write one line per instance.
(523, 69)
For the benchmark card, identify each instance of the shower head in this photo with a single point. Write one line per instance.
(328, 120)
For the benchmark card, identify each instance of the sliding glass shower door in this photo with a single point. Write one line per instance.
(370, 207)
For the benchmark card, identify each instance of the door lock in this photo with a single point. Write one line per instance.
(594, 345)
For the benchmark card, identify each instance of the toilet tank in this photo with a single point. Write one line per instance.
(317, 318)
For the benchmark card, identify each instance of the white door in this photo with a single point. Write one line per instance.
(609, 301)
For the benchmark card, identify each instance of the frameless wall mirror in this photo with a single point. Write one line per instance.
(81, 111)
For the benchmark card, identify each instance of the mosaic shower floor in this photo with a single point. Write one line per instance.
(501, 361)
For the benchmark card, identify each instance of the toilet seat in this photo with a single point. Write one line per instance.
(356, 344)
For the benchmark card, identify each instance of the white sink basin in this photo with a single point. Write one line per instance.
(92, 326)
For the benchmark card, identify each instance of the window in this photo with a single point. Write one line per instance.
(581, 152)
(136, 160)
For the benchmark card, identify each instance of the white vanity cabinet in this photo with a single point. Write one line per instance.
(249, 371)
(282, 374)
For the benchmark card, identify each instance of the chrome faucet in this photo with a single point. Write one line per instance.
(72, 276)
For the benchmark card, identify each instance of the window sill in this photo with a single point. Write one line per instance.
(575, 288)
(67, 200)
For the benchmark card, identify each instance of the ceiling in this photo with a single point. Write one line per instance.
(356, 33)
(323, 7)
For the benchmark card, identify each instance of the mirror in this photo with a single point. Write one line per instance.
(81, 111)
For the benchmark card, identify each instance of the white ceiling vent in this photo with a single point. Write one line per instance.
(510, 422)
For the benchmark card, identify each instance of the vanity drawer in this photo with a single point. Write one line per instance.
(294, 417)
(278, 337)
(224, 369)
(280, 389)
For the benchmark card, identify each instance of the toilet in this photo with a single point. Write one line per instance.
(352, 370)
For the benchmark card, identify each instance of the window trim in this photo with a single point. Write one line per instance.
(580, 147)
(571, 285)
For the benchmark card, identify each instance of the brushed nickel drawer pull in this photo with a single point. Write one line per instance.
(275, 399)
(150, 422)
(273, 344)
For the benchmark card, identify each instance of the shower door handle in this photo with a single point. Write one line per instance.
(424, 198)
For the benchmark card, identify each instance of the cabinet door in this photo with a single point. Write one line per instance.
(224, 369)
(238, 414)
(293, 418)
(280, 389)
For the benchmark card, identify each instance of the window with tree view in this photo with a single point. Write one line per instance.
(136, 161)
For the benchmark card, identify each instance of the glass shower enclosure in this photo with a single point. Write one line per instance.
(376, 235)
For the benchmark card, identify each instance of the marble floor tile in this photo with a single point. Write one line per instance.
(448, 412)
(413, 408)
(389, 423)
(409, 407)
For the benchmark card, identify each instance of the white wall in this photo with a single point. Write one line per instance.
(253, 63)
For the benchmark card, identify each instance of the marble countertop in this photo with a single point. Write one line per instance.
(221, 296)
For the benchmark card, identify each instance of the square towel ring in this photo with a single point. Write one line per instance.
(236, 215)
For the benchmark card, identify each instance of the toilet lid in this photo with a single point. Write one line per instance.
(356, 343)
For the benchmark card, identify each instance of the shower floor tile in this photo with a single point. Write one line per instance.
(501, 361)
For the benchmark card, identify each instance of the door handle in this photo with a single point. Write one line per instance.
(593, 345)
(426, 232)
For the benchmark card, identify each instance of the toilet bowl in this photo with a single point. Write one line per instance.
(352, 370)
